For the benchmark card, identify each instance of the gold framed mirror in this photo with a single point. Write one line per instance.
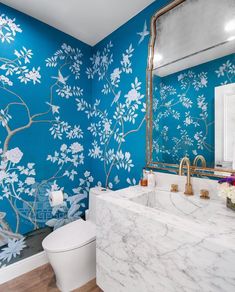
(191, 87)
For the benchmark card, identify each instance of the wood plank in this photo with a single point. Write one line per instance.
(41, 279)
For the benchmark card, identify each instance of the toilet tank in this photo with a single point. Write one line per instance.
(93, 193)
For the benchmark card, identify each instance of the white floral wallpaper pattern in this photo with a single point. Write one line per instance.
(183, 111)
(112, 126)
(43, 139)
(118, 109)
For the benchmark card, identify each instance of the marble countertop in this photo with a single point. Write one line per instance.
(209, 219)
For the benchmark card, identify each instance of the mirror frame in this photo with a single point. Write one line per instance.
(150, 164)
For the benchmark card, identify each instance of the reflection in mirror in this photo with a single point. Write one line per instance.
(225, 126)
(193, 59)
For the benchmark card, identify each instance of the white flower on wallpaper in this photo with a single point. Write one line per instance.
(115, 77)
(14, 155)
(126, 62)
(13, 249)
(19, 67)
(14, 178)
(134, 94)
(95, 151)
(8, 29)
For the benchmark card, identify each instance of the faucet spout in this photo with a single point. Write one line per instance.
(199, 158)
(188, 185)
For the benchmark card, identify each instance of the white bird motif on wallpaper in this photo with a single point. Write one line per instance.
(61, 78)
(143, 33)
(54, 108)
(116, 98)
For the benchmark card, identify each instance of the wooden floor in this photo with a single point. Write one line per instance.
(41, 279)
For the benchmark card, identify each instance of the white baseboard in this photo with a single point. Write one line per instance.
(21, 267)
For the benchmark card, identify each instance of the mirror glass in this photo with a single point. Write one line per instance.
(192, 96)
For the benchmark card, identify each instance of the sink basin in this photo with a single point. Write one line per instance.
(190, 207)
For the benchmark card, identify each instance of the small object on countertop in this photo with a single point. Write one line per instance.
(144, 173)
(204, 194)
(151, 179)
(174, 188)
(144, 182)
(144, 178)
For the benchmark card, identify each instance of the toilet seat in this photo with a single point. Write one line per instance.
(71, 236)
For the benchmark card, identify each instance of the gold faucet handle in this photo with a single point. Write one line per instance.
(204, 194)
(174, 188)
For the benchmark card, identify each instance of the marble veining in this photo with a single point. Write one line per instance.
(152, 240)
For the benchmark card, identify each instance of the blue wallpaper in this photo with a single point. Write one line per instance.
(183, 111)
(44, 140)
(75, 116)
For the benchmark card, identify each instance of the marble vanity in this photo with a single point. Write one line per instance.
(151, 240)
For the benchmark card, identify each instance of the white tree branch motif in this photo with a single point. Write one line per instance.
(227, 71)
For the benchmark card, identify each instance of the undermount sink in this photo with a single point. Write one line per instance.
(189, 207)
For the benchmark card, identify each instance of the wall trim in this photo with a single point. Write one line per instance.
(21, 267)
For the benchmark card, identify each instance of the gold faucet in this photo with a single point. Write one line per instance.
(188, 186)
(201, 158)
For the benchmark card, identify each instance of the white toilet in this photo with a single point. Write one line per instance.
(71, 249)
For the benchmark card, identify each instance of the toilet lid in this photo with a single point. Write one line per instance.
(71, 236)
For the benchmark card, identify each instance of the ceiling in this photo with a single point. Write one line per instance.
(194, 40)
(87, 20)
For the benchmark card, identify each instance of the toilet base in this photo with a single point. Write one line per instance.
(74, 268)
